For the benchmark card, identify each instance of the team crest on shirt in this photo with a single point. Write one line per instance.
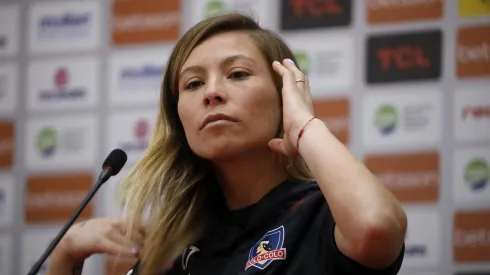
(268, 249)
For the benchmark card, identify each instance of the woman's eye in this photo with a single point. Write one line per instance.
(239, 75)
(193, 85)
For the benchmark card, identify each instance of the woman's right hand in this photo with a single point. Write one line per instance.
(100, 235)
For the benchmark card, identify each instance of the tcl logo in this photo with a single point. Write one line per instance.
(477, 112)
(403, 58)
(409, 56)
(315, 8)
(307, 14)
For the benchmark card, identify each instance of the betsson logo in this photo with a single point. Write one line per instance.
(389, 4)
(477, 112)
(472, 238)
(404, 58)
(479, 53)
(144, 22)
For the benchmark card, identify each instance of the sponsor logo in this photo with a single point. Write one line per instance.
(382, 11)
(213, 8)
(303, 60)
(7, 132)
(148, 77)
(402, 118)
(472, 114)
(335, 113)
(136, 22)
(476, 112)
(307, 14)
(141, 132)
(268, 249)
(472, 8)
(412, 178)
(473, 51)
(187, 255)
(471, 236)
(422, 246)
(47, 141)
(388, 118)
(55, 198)
(61, 79)
(328, 62)
(477, 174)
(404, 57)
(61, 143)
(471, 174)
(65, 25)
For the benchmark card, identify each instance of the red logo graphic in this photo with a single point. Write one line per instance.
(404, 58)
(142, 128)
(477, 112)
(61, 78)
(315, 8)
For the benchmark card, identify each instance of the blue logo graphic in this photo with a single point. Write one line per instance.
(268, 249)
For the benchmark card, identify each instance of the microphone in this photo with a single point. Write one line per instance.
(111, 167)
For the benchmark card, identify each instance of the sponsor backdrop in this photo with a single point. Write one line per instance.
(404, 83)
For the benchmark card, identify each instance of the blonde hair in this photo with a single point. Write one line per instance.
(172, 186)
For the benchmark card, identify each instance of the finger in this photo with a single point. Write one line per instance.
(298, 75)
(136, 241)
(285, 73)
(110, 247)
(278, 145)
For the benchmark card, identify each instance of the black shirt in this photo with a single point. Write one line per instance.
(289, 231)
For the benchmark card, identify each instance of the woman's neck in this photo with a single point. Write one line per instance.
(247, 179)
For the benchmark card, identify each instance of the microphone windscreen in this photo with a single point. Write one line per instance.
(115, 160)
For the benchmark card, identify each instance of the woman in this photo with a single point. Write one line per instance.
(225, 185)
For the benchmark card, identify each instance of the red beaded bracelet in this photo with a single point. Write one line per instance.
(300, 134)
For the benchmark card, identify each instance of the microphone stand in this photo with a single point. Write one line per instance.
(104, 176)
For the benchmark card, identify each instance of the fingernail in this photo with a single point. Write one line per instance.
(276, 63)
(289, 60)
(134, 251)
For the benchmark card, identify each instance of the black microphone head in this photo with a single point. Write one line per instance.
(115, 161)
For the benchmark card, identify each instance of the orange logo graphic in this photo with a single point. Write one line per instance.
(335, 113)
(145, 21)
(471, 236)
(403, 58)
(473, 51)
(118, 265)
(55, 198)
(410, 177)
(7, 132)
(382, 11)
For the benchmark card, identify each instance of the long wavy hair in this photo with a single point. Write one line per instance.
(171, 191)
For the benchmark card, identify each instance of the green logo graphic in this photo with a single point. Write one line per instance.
(303, 60)
(213, 8)
(46, 141)
(385, 119)
(477, 174)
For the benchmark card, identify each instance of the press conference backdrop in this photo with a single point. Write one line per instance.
(404, 83)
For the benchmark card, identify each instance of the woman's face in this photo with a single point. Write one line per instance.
(228, 103)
